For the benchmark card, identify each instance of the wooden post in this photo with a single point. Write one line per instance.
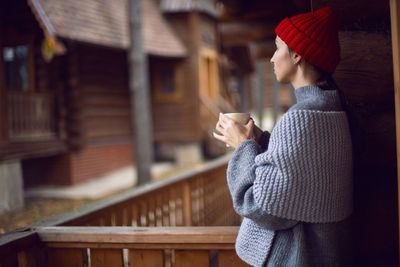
(395, 25)
(187, 204)
(140, 99)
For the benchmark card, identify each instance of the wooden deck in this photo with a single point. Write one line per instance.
(186, 220)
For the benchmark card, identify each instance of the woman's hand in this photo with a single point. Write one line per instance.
(233, 133)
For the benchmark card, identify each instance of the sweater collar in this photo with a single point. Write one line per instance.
(314, 93)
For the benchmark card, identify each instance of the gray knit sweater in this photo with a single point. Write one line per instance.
(294, 189)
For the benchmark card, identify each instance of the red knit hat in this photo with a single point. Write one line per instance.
(314, 36)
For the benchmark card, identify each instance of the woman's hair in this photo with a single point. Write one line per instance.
(325, 80)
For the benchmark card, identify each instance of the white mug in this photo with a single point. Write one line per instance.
(241, 118)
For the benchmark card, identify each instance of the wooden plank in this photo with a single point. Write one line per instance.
(135, 215)
(106, 257)
(191, 258)
(151, 212)
(126, 218)
(143, 212)
(113, 219)
(165, 207)
(122, 234)
(395, 26)
(230, 259)
(187, 204)
(159, 208)
(129, 245)
(179, 220)
(172, 206)
(65, 257)
(146, 258)
(119, 216)
(201, 186)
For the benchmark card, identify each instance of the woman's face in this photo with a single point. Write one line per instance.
(282, 62)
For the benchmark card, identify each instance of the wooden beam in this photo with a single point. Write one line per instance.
(395, 26)
(139, 235)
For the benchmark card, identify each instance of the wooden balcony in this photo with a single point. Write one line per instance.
(31, 116)
(186, 220)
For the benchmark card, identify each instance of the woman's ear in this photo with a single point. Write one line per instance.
(296, 58)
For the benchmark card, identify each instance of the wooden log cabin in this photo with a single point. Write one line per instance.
(369, 76)
(64, 84)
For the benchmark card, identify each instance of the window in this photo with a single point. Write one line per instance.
(166, 81)
(16, 65)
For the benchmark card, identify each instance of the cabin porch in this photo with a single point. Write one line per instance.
(186, 220)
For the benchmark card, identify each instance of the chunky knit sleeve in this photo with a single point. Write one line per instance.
(241, 176)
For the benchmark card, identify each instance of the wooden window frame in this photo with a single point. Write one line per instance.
(158, 94)
(208, 73)
(21, 40)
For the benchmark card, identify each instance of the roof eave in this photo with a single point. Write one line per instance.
(46, 26)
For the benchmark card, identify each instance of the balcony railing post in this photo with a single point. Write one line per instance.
(187, 204)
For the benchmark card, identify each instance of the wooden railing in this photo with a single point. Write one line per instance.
(139, 246)
(30, 116)
(199, 197)
(195, 198)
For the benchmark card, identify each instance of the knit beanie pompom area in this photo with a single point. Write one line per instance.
(314, 36)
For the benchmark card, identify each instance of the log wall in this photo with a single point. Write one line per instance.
(179, 120)
(365, 75)
(104, 93)
(173, 120)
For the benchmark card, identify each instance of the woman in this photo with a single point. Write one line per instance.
(294, 186)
